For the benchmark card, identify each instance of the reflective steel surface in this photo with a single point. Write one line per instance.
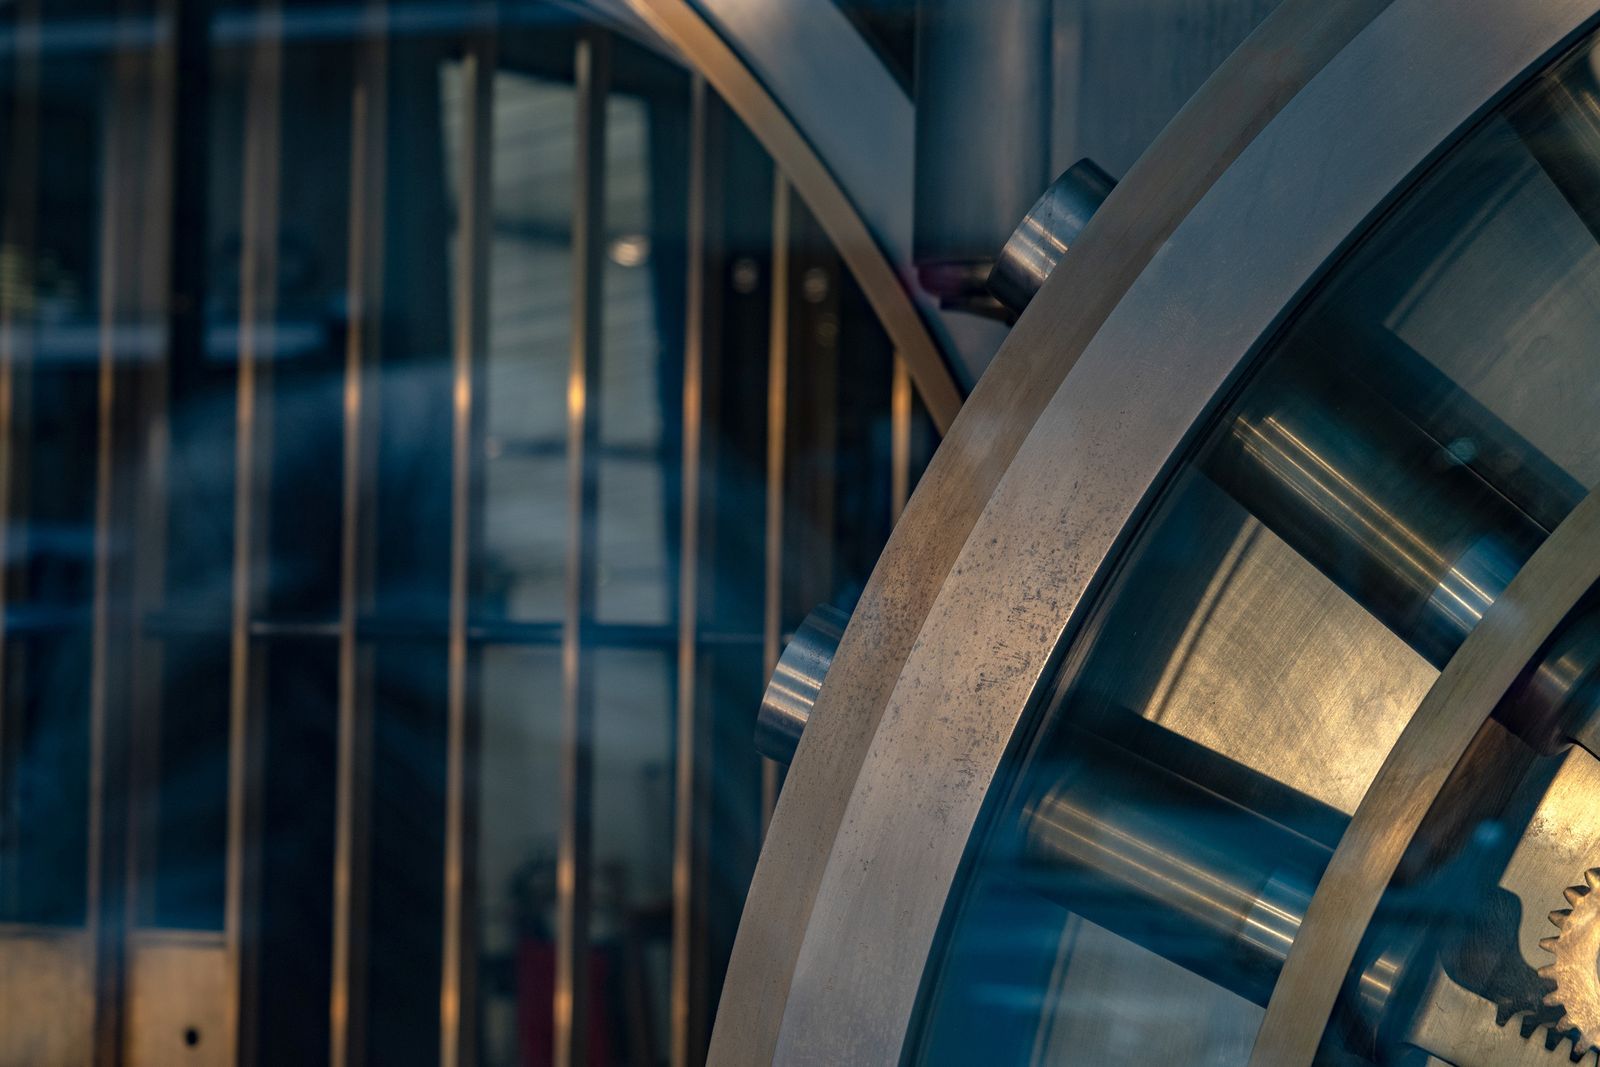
(1367, 490)
(1044, 554)
(796, 681)
(1178, 170)
(424, 429)
(1049, 229)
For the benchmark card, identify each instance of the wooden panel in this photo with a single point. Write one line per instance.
(177, 1001)
(46, 1001)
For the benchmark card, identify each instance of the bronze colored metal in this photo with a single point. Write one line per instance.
(899, 439)
(777, 445)
(369, 132)
(1576, 948)
(257, 310)
(458, 1043)
(574, 863)
(688, 849)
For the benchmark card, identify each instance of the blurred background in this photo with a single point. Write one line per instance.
(421, 426)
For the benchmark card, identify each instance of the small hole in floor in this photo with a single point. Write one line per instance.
(191, 1037)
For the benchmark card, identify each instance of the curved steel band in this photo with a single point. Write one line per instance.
(1116, 246)
(870, 229)
(1475, 680)
(1360, 130)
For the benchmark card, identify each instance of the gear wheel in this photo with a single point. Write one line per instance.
(1576, 970)
(1546, 1044)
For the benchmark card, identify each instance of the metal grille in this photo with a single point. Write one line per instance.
(422, 426)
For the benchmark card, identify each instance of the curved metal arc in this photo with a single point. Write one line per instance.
(814, 61)
(1227, 113)
(1475, 680)
(884, 280)
(1092, 462)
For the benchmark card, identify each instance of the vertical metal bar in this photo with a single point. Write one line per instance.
(687, 867)
(591, 69)
(470, 342)
(133, 164)
(257, 306)
(115, 189)
(899, 438)
(777, 439)
(150, 506)
(352, 816)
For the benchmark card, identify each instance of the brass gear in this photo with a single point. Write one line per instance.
(1576, 969)
(1549, 1045)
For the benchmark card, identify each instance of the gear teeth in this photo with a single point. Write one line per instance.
(1572, 996)
(1572, 1045)
(1558, 1039)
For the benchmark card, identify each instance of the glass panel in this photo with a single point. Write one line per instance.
(1408, 443)
(52, 258)
(529, 348)
(641, 393)
(403, 566)
(631, 943)
(635, 540)
(519, 795)
(180, 805)
(525, 538)
(199, 409)
(266, 790)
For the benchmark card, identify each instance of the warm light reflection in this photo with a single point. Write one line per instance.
(576, 397)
